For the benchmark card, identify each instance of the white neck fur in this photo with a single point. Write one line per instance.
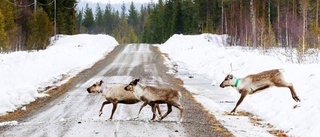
(138, 90)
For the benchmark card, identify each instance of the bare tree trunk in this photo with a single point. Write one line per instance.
(225, 23)
(305, 14)
(317, 14)
(241, 23)
(222, 17)
(278, 27)
(293, 9)
(253, 23)
(317, 21)
(269, 19)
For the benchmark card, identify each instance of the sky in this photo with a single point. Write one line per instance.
(118, 1)
(201, 62)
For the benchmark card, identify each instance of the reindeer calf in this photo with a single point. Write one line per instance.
(257, 82)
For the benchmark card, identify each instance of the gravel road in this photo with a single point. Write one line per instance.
(74, 112)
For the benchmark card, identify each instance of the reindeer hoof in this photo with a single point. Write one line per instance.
(232, 112)
(110, 119)
(296, 99)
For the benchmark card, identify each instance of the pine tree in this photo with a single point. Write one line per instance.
(177, 22)
(3, 34)
(99, 22)
(8, 11)
(79, 21)
(108, 19)
(168, 14)
(116, 25)
(133, 38)
(88, 21)
(133, 16)
(124, 29)
(41, 29)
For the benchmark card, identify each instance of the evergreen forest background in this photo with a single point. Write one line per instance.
(293, 24)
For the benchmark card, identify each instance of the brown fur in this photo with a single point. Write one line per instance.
(115, 94)
(258, 82)
(151, 95)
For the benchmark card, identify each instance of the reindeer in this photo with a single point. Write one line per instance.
(152, 95)
(115, 94)
(257, 82)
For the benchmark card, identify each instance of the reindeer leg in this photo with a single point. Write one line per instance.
(290, 86)
(243, 95)
(143, 105)
(153, 109)
(104, 103)
(115, 104)
(293, 93)
(168, 111)
(179, 106)
(159, 111)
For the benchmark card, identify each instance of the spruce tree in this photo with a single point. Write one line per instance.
(99, 21)
(88, 21)
(108, 19)
(133, 16)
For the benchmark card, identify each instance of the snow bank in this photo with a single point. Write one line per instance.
(206, 54)
(23, 73)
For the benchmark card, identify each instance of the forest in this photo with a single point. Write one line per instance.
(29, 24)
(293, 24)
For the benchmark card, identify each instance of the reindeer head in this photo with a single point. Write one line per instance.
(131, 85)
(95, 88)
(228, 81)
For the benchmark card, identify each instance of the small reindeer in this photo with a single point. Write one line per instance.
(257, 82)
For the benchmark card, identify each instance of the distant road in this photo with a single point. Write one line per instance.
(75, 113)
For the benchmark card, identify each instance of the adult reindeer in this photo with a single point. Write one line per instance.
(257, 82)
(156, 95)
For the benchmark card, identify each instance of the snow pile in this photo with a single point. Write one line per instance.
(206, 54)
(23, 73)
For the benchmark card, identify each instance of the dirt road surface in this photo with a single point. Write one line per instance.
(75, 112)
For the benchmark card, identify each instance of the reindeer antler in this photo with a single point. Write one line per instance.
(231, 69)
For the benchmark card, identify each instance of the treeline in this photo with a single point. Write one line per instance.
(151, 23)
(25, 25)
(253, 23)
(124, 27)
(29, 25)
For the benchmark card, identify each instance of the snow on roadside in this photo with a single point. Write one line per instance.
(206, 55)
(23, 73)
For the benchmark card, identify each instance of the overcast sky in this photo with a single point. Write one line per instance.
(118, 1)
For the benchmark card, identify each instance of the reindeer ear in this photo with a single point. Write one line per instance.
(101, 81)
